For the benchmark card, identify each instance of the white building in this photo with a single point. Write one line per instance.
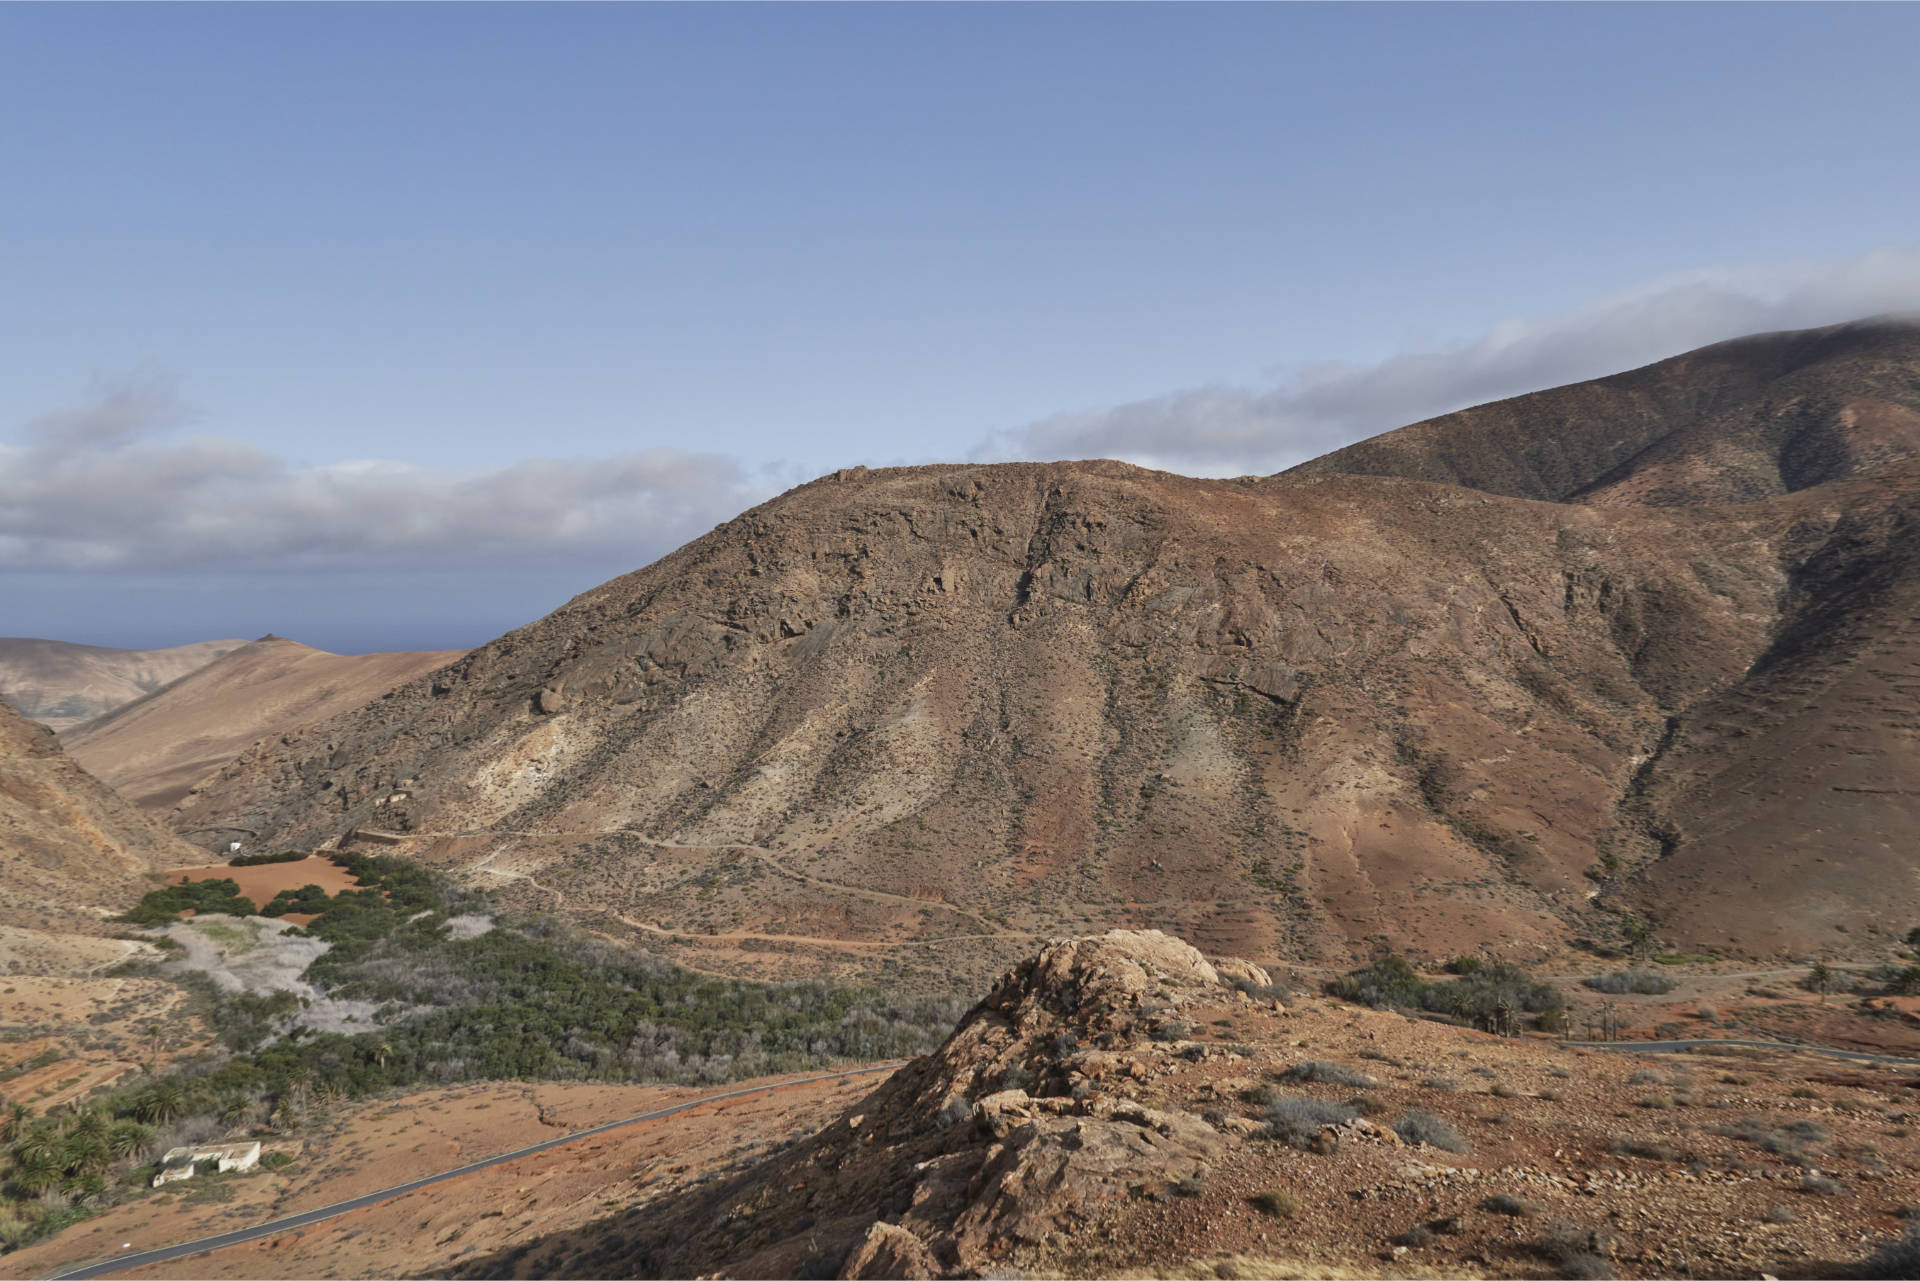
(179, 1163)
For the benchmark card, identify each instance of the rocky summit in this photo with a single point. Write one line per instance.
(1642, 643)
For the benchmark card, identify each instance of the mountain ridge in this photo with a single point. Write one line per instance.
(916, 712)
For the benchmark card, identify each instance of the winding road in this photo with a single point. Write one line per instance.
(123, 1262)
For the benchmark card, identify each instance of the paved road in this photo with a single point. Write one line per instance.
(1674, 1047)
(122, 1262)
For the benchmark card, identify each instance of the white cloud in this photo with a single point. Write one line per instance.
(1316, 408)
(99, 488)
(106, 487)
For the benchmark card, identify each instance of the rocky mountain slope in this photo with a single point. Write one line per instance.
(1637, 642)
(61, 684)
(71, 851)
(1121, 1106)
(156, 749)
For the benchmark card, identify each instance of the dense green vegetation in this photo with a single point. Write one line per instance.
(53, 1169)
(1489, 994)
(527, 998)
(257, 860)
(309, 899)
(533, 999)
(200, 897)
(1636, 982)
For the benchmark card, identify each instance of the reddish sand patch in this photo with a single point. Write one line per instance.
(264, 880)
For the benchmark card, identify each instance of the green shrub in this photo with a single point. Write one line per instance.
(1275, 1205)
(1420, 1126)
(308, 900)
(1298, 1121)
(203, 898)
(1483, 991)
(1630, 982)
(259, 860)
(1323, 1072)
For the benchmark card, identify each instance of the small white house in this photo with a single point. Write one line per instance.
(179, 1163)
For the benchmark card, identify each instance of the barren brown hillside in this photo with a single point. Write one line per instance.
(71, 851)
(1120, 1106)
(910, 719)
(156, 749)
(61, 684)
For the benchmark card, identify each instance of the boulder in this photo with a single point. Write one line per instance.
(890, 1253)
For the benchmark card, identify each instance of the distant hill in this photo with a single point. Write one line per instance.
(1643, 642)
(71, 851)
(153, 750)
(61, 684)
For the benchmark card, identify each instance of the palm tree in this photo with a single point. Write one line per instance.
(162, 1102)
(381, 1053)
(84, 1187)
(13, 1120)
(127, 1138)
(35, 1172)
(90, 1123)
(88, 1153)
(42, 1143)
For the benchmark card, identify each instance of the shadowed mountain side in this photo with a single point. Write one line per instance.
(1799, 785)
(71, 851)
(1738, 421)
(155, 750)
(61, 684)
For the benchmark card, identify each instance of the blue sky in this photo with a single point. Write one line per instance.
(387, 326)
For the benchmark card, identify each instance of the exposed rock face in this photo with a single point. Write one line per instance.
(1000, 1139)
(1436, 691)
(889, 1253)
(71, 851)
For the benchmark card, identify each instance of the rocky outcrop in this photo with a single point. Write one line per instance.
(1014, 1132)
(890, 1253)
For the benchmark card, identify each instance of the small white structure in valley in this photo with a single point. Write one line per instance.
(179, 1163)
